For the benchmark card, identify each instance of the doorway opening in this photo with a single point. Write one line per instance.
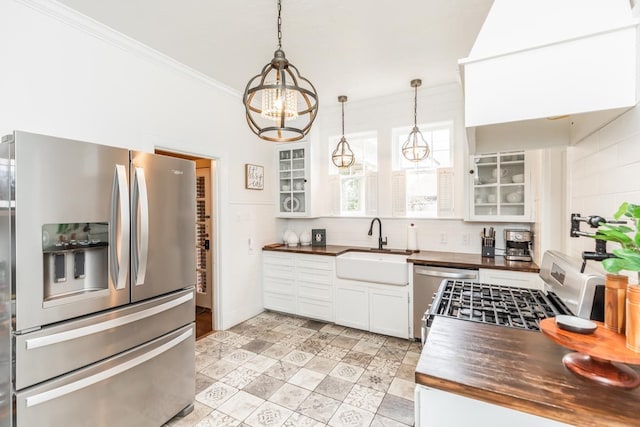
(204, 225)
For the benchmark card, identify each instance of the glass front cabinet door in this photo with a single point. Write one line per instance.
(499, 187)
(293, 166)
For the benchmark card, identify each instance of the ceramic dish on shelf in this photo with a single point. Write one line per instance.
(515, 197)
(518, 178)
(291, 204)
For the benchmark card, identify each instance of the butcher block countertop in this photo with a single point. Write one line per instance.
(433, 258)
(521, 370)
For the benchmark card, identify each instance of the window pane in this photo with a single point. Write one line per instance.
(351, 199)
(352, 179)
(421, 177)
(422, 193)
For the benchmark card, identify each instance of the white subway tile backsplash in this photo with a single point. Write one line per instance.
(629, 150)
(603, 172)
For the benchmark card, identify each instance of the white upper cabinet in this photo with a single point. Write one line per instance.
(293, 180)
(500, 187)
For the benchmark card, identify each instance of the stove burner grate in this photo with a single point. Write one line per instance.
(500, 305)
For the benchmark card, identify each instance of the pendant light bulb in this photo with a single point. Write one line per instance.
(415, 147)
(343, 157)
(280, 104)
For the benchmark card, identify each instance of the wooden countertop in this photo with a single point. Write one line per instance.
(330, 250)
(521, 370)
(459, 260)
(443, 259)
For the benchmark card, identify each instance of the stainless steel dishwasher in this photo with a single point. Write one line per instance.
(426, 280)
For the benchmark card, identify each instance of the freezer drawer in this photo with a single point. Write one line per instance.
(59, 349)
(145, 386)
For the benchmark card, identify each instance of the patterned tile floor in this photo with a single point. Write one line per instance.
(276, 370)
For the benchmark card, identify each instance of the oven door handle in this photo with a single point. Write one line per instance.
(446, 274)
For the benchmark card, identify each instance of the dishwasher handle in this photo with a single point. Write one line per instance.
(472, 274)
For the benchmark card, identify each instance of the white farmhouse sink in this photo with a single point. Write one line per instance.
(377, 267)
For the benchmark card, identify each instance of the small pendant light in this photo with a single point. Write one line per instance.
(415, 147)
(342, 156)
(282, 105)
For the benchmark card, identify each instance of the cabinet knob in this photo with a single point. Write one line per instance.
(471, 171)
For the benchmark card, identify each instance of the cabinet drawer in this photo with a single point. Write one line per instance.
(285, 303)
(281, 271)
(144, 386)
(321, 310)
(275, 258)
(315, 291)
(313, 275)
(319, 262)
(283, 286)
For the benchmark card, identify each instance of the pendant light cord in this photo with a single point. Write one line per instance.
(342, 118)
(415, 107)
(279, 25)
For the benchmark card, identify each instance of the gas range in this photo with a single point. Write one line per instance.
(499, 305)
(567, 291)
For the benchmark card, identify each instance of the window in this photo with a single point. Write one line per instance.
(354, 190)
(420, 180)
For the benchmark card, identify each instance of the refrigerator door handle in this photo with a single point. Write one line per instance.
(107, 373)
(119, 228)
(140, 230)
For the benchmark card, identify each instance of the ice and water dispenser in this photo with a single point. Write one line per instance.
(76, 258)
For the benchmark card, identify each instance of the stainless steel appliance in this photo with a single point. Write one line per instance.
(426, 281)
(97, 304)
(567, 291)
(517, 245)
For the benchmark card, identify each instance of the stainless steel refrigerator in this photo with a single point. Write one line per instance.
(97, 274)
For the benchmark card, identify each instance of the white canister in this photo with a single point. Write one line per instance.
(292, 239)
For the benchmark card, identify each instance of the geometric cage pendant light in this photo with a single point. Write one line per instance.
(343, 156)
(280, 104)
(415, 147)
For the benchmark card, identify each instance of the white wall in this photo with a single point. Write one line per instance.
(447, 235)
(602, 172)
(435, 104)
(65, 75)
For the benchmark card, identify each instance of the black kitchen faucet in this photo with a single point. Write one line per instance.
(381, 242)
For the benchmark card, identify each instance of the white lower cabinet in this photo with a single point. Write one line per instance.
(298, 284)
(306, 285)
(352, 305)
(389, 311)
(439, 408)
(519, 279)
(373, 307)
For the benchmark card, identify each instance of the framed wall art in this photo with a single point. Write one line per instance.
(254, 177)
(318, 237)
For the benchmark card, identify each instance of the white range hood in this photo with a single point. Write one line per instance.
(536, 59)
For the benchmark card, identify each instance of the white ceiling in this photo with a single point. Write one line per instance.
(360, 48)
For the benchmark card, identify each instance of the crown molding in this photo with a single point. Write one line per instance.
(90, 26)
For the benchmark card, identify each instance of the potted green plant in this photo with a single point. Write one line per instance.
(627, 258)
(627, 235)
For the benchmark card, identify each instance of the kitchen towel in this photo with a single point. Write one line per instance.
(412, 237)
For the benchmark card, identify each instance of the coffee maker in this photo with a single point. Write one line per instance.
(517, 245)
